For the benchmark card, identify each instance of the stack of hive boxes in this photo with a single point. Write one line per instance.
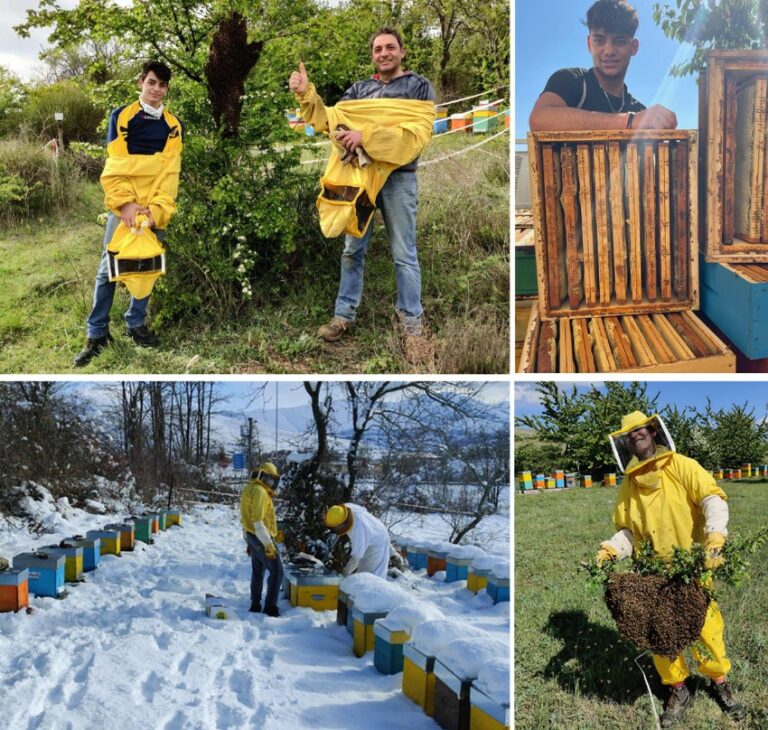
(733, 99)
(617, 255)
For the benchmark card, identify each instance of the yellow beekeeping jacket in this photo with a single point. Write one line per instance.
(395, 132)
(659, 498)
(256, 506)
(149, 180)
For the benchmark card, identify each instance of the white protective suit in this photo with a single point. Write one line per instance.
(370, 543)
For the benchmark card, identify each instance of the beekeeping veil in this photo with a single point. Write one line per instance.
(621, 446)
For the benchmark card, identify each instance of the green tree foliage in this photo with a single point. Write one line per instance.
(12, 96)
(536, 457)
(81, 115)
(735, 436)
(707, 24)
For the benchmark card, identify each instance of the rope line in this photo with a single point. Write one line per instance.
(474, 96)
(463, 151)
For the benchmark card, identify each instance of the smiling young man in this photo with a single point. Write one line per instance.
(397, 199)
(597, 98)
(670, 500)
(140, 178)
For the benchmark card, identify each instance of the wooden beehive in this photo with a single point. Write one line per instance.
(671, 342)
(733, 194)
(615, 222)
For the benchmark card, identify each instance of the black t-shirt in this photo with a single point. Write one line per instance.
(579, 88)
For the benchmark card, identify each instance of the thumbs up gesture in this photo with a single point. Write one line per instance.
(298, 81)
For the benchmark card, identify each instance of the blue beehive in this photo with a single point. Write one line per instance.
(457, 568)
(91, 550)
(498, 588)
(417, 557)
(388, 648)
(46, 573)
(73, 567)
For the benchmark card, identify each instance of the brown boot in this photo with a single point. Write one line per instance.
(335, 329)
(723, 695)
(677, 703)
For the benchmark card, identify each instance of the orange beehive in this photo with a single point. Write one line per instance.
(14, 589)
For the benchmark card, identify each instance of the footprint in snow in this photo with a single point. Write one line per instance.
(240, 682)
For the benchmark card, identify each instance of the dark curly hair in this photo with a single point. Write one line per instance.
(613, 16)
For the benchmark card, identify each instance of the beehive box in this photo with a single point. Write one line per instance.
(526, 481)
(46, 573)
(456, 568)
(14, 589)
(314, 589)
(735, 298)
(163, 517)
(675, 342)
(362, 630)
(341, 607)
(91, 551)
(388, 648)
(435, 561)
(452, 707)
(485, 713)
(143, 529)
(733, 162)
(173, 517)
(614, 221)
(127, 534)
(477, 578)
(73, 567)
(498, 588)
(155, 518)
(419, 678)
(217, 607)
(417, 557)
(110, 540)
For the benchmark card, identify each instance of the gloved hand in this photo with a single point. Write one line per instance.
(280, 537)
(714, 544)
(606, 552)
(270, 551)
(4, 564)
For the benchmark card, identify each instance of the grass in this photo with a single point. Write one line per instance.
(572, 668)
(47, 268)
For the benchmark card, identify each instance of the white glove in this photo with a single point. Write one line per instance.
(4, 564)
(261, 532)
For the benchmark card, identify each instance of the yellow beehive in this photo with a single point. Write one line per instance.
(419, 678)
(486, 713)
(363, 638)
(173, 518)
(477, 579)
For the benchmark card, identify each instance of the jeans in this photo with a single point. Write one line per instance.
(104, 291)
(259, 563)
(397, 200)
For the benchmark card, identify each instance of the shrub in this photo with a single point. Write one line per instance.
(33, 182)
(81, 115)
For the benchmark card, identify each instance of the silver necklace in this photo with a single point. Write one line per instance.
(608, 99)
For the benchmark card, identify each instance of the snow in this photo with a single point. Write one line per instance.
(465, 657)
(358, 582)
(405, 617)
(464, 552)
(381, 599)
(497, 564)
(493, 680)
(132, 646)
(431, 637)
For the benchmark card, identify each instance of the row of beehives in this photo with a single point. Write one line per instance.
(528, 482)
(616, 218)
(747, 471)
(44, 572)
(459, 703)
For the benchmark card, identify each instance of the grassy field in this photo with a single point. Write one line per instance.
(47, 269)
(572, 668)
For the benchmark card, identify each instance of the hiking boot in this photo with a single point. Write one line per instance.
(335, 329)
(93, 346)
(255, 608)
(273, 611)
(723, 695)
(677, 703)
(416, 342)
(143, 336)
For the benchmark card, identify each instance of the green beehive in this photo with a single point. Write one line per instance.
(143, 529)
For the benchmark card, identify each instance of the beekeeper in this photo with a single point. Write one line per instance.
(257, 514)
(141, 182)
(368, 537)
(670, 500)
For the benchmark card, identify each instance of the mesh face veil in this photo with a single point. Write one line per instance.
(622, 444)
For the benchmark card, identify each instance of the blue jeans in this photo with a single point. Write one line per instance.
(259, 563)
(397, 200)
(104, 291)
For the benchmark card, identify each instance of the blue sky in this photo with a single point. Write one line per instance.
(549, 35)
(722, 394)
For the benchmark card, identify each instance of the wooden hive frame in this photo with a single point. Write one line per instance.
(661, 342)
(724, 73)
(615, 220)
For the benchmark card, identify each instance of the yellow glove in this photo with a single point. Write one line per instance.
(606, 552)
(714, 544)
(270, 551)
(280, 537)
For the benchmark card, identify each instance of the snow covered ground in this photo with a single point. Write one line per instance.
(132, 647)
